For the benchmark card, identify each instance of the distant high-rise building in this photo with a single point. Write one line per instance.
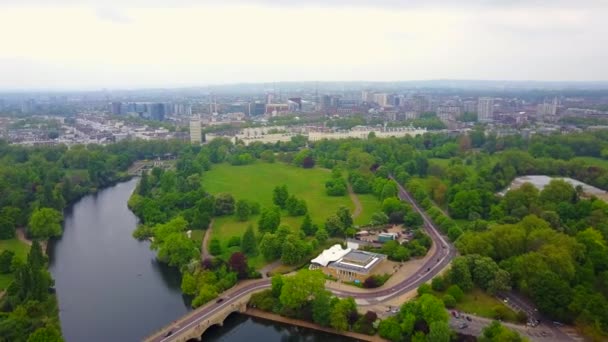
(296, 103)
(485, 109)
(325, 102)
(157, 111)
(269, 98)
(420, 103)
(381, 99)
(448, 113)
(258, 108)
(196, 131)
(547, 108)
(28, 106)
(116, 108)
(469, 106)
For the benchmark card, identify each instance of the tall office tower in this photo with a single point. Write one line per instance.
(116, 108)
(157, 111)
(485, 109)
(196, 131)
(381, 99)
(470, 106)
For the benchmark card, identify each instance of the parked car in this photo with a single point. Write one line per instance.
(462, 325)
(220, 300)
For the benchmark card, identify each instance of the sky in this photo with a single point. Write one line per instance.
(93, 44)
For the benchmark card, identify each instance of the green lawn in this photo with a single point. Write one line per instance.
(370, 205)
(592, 161)
(479, 303)
(256, 181)
(20, 249)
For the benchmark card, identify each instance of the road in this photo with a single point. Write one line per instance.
(441, 257)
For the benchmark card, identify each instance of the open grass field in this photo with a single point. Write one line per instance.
(256, 182)
(20, 249)
(479, 303)
(592, 161)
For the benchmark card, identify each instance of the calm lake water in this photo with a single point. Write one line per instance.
(111, 288)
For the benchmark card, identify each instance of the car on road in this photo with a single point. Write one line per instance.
(455, 314)
(463, 325)
(169, 333)
(468, 319)
(219, 300)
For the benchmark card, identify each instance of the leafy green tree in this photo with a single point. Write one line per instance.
(390, 329)
(270, 246)
(177, 250)
(270, 219)
(455, 292)
(295, 206)
(248, 243)
(7, 227)
(299, 288)
(322, 308)
(321, 235)
(188, 284)
(341, 312)
(438, 284)
(6, 259)
(345, 217)
(496, 332)
(242, 210)
(307, 226)
(460, 274)
(551, 293)
(439, 331)
(47, 333)
(334, 226)
(224, 204)
(379, 218)
(214, 247)
(280, 194)
(277, 285)
(45, 223)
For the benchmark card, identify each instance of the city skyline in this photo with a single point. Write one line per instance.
(156, 44)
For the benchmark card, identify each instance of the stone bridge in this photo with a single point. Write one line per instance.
(192, 326)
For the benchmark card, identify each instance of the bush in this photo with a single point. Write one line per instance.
(455, 292)
(143, 232)
(449, 301)
(438, 284)
(521, 317)
(6, 259)
(234, 241)
(424, 288)
(214, 247)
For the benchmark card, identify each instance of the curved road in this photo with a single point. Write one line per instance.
(441, 257)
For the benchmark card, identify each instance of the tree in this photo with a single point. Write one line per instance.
(455, 292)
(47, 333)
(45, 223)
(460, 274)
(438, 284)
(307, 227)
(321, 235)
(248, 243)
(379, 218)
(333, 226)
(295, 206)
(439, 331)
(188, 284)
(345, 217)
(270, 219)
(242, 210)
(551, 293)
(424, 288)
(224, 204)
(214, 247)
(277, 285)
(6, 259)
(341, 312)
(496, 332)
(177, 250)
(280, 196)
(298, 288)
(321, 308)
(238, 264)
(270, 246)
(390, 329)
(7, 227)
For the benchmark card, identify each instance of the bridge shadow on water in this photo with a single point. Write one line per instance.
(239, 327)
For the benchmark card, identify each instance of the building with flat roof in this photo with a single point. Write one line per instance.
(347, 264)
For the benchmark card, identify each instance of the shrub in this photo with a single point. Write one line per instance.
(449, 301)
(455, 292)
(438, 284)
(234, 241)
(424, 288)
(214, 247)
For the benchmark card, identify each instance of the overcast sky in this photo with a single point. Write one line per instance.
(78, 44)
